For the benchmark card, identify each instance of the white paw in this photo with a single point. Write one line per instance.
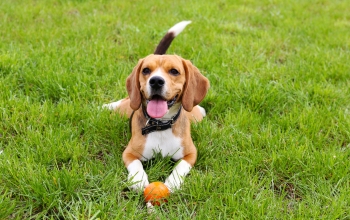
(139, 180)
(176, 178)
(137, 176)
(112, 105)
(202, 111)
(172, 183)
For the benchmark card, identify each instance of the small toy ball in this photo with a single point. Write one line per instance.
(156, 193)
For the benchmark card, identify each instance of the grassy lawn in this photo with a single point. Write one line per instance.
(275, 144)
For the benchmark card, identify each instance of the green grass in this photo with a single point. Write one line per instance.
(275, 144)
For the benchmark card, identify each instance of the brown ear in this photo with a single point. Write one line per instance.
(133, 86)
(196, 86)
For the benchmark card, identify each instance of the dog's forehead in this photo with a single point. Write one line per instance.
(162, 61)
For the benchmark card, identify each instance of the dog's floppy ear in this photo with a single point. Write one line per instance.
(196, 86)
(133, 86)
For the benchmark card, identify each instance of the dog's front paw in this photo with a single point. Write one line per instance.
(139, 181)
(176, 178)
(137, 176)
(173, 183)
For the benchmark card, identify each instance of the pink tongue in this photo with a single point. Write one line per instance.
(157, 108)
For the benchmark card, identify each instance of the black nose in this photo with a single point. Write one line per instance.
(156, 82)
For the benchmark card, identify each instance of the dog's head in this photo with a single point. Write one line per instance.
(160, 81)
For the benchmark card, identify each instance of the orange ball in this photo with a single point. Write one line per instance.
(156, 193)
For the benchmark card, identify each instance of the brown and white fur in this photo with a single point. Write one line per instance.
(174, 80)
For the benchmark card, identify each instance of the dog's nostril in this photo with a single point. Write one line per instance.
(156, 82)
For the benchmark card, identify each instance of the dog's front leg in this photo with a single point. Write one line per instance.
(176, 178)
(137, 175)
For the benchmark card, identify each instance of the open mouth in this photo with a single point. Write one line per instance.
(157, 107)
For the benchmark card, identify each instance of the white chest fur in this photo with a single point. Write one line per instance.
(163, 142)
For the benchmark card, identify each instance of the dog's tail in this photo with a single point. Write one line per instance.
(169, 37)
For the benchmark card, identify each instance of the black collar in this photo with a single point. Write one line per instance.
(153, 124)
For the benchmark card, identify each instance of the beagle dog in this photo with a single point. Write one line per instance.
(164, 93)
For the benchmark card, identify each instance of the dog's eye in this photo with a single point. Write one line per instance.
(174, 72)
(146, 71)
